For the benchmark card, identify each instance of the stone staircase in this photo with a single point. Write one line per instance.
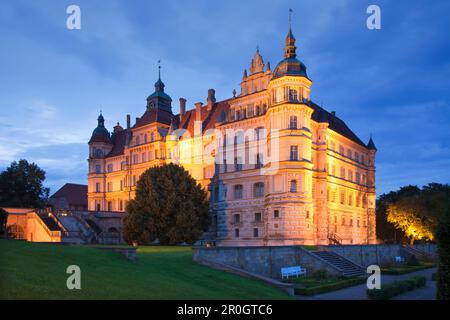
(348, 268)
(76, 230)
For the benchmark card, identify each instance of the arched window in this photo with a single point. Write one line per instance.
(293, 186)
(238, 191)
(152, 137)
(258, 190)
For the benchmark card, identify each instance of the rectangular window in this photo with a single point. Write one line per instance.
(238, 190)
(293, 122)
(358, 177)
(276, 213)
(237, 164)
(259, 162)
(97, 187)
(350, 175)
(294, 153)
(343, 173)
(237, 218)
(109, 206)
(258, 217)
(342, 200)
(255, 232)
(98, 169)
(236, 233)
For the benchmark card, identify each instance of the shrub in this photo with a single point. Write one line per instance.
(330, 287)
(395, 288)
(443, 244)
(320, 274)
(413, 261)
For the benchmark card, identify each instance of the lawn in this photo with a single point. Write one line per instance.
(310, 285)
(38, 271)
(403, 269)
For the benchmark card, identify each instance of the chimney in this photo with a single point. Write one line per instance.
(333, 113)
(137, 119)
(182, 107)
(198, 111)
(128, 121)
(211, 98)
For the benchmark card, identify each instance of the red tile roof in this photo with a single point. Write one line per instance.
(75, 194)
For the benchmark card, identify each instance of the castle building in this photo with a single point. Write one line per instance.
(279, 169)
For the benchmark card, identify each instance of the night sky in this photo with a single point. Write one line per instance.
(393, 83)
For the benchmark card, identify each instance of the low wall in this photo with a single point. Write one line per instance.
(266, 261)
(381, 254)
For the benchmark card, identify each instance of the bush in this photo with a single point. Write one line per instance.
(320, 274)
(413, 261)
(393, 289)
(330, 287)
(405, 269)
(443, 244)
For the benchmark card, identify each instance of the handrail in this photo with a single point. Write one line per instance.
(43, 225)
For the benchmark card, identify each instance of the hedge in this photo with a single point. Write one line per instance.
(395, 288)
(330, 287)
(403, 270)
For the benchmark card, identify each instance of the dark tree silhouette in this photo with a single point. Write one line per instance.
(169, 206)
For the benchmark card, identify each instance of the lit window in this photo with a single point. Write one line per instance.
(293, 122)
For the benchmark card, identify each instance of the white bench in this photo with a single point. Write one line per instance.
(399, 259)
(287, 272)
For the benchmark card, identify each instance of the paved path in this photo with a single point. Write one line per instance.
(359, 292)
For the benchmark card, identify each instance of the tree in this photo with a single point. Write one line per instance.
(169, 206)
(21, 186)
(3, 221)
(443, 244)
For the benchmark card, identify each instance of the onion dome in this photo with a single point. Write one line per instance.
(290, 66)
(100, 134)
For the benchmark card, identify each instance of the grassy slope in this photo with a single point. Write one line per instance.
(38, 271)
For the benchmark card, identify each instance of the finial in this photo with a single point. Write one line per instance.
(290, 17)
(234, 93)
(159, 69)
(257, 48)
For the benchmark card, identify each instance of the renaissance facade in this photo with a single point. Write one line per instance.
(279, 169)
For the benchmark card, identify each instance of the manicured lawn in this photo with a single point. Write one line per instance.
(38, 271)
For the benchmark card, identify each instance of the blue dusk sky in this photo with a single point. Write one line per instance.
(393, 83)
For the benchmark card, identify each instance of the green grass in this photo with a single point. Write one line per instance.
(38, 271)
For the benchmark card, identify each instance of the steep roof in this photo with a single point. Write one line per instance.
(120, 139)
(335, 124)
(154, 115)
(75, 194)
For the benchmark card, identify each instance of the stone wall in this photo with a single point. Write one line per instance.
(383, 254)
(266, 261)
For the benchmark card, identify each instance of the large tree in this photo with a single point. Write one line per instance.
(169, 206)
(443, 244)
(3, 221)
(411, 212)
(21, 185)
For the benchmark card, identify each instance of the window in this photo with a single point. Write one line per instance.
(341, 150)
(292, 95)
(238, 190)
(138, 140)
(358, 177)
(293, 122)
(259, 163)
(343, 221)
(152, 137)
(150, 156)
(258, 217)
(237, 218)
(98, 153)
(236, 233)
(356, 156)
(351, 222)
(98, 206)
(98, 168)
(258, 190)
(293, 185)
(350, 200)
(349, 153)
(109, 187)
(276, 213)
(97, 187)
(120, 205)
(342, 199)
(144, 157)
(135, 159)
(121, 185)
(109, 206)
(255, 233)
(237, 164)
(343, 173)
(134, 180)
(225, 166)
(350, 175)
(363, 159)
(294, 153)
(333, 146)
(110, 168)
(145, 138)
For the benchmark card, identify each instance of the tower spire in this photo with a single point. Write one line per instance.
(289, 47)
(159, 69)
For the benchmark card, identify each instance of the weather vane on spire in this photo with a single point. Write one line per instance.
(290, 16)
(159, 69)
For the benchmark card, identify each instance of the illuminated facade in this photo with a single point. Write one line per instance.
(279, 169)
